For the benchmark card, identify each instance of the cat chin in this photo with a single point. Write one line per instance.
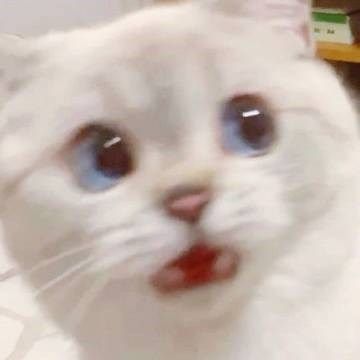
(204, 304)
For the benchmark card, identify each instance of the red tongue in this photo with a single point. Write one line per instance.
(199, 266)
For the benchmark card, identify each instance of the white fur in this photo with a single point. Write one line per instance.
(162, 75)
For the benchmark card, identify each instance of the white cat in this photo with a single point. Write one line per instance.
(183, 184)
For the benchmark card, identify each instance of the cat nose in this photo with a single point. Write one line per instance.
(187, 203)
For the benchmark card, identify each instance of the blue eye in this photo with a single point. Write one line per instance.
(247, 126)
(100, 157)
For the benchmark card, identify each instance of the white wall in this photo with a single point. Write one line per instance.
(31, 17)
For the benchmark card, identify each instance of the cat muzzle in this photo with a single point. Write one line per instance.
(199, 266)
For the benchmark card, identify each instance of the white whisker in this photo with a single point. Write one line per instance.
(136, 250)
(86, 300)
(119, 259)
(54, 259)
(63, 276)
(69, 285)
(126, 234)
(133, 256)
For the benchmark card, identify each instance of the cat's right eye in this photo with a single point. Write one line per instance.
(100, 157)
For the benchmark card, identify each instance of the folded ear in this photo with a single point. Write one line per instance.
(292, 16)
(15, 57)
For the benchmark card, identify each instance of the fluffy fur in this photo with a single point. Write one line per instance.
(162, 74)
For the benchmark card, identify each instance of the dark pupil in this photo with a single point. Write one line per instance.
(255, 124)
(254, 128)
(112, 154)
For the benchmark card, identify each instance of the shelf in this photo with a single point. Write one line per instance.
(339, 52)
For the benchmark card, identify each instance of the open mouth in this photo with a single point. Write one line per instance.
(199, 266)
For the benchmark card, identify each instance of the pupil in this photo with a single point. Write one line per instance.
(249, 125)
(255, 128)
(112, 156)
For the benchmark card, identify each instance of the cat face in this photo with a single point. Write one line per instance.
(125, 146)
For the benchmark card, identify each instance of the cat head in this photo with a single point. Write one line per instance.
(109, 131)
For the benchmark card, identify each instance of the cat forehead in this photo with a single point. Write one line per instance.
(152, 48)
(144, 62)
(162, 35)
(150, 44)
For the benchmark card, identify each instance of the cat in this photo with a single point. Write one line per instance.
(183, 184)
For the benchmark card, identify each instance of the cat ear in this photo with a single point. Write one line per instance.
(12, 49)
(291, 16)
(15, 57)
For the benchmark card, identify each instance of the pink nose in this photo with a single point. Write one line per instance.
(187, 203)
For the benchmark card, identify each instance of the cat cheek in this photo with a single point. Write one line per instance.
(246, 221)
(148, 246)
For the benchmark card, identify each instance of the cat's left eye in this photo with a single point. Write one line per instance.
(248, 125)
(100, 157)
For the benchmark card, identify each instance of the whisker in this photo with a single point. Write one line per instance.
(90, 295)
(100, 233)
(124, 259)
(64, 276)
(54, 259)
(133, 256)
(70, 284)
(45, 263)
(94, 238)
(86, 300)
(135, 252)
(89, 260)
